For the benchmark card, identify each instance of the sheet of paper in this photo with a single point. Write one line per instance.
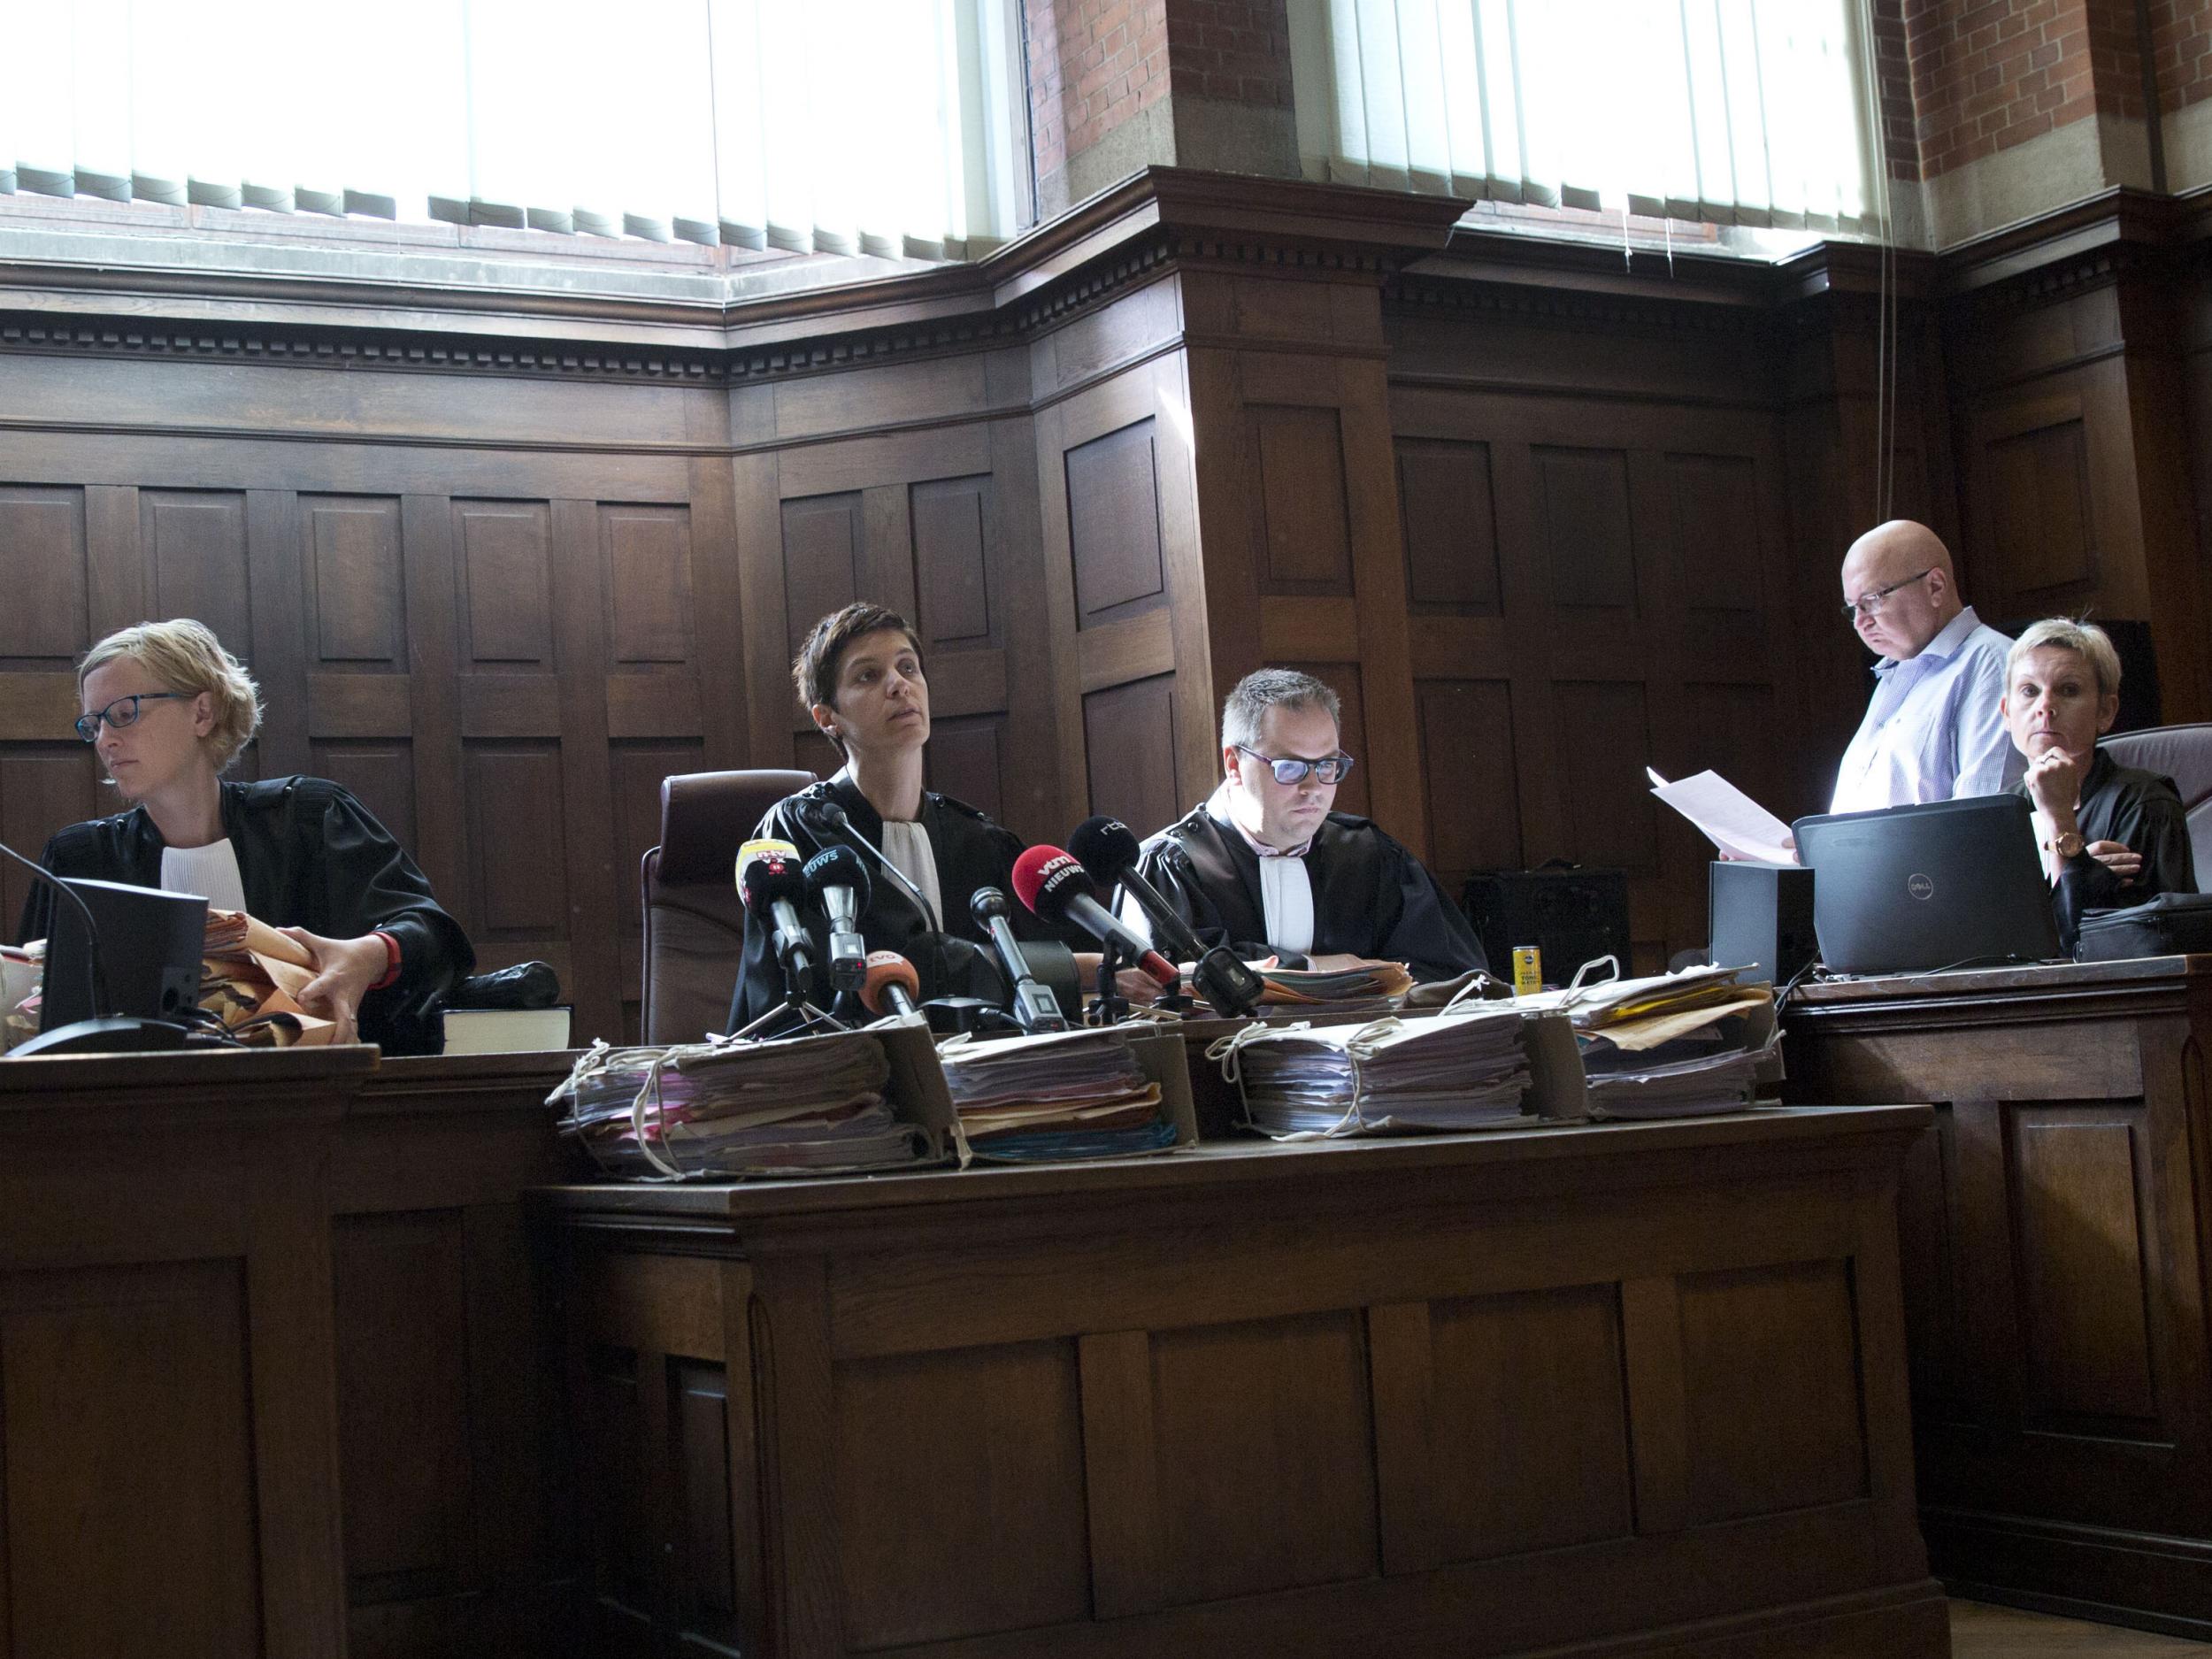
(1736, 823)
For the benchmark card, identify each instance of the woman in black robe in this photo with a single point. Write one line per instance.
(860, 676)
(2110, 836)
(168, 709)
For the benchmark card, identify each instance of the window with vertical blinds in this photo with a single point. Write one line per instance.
(1733, 111)
(888, 128)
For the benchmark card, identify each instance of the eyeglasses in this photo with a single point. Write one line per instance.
(122, 712)
(1870, 604)
(1330, 769)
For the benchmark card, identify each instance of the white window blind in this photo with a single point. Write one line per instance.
(879, 126)
(1732, 111)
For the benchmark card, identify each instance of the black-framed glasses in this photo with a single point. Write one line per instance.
(1329, 769)
(122, 712)
(1870, 604)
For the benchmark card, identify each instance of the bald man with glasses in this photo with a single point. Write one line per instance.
(1933, 731)
(1265, 867)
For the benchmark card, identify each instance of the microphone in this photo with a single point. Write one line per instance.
(890, 984)
(1053, 885)
(839, 882)
(820, 815)
(1109, 852)
(1033, 1006)
(770, 880)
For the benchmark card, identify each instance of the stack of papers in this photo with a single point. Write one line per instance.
(1365, 990)
(1056, 1094)
(800, 1105)
(1671, 1045)
(1465, 1070)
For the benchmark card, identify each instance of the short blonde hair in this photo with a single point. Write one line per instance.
(185, 656)
(2086, 640)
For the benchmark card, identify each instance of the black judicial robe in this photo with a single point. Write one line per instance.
(970, 852)
(1370, 896)
(309, 855)
(2142, 811)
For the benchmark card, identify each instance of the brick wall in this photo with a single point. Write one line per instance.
(1234, 49)
(1093, 65)
(1900, 143)
(2181, 46)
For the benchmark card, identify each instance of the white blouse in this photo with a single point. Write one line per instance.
(211, 871)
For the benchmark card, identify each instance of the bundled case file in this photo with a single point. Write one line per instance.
(848, 1101)
(1672, 1045)
(1483, 1066)
(1112, 1092)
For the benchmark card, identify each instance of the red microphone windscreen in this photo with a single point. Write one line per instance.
(886, 968)
(1043, 866)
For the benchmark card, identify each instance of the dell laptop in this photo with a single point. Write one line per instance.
(1914, 889)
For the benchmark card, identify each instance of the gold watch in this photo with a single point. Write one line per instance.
(2067, 844)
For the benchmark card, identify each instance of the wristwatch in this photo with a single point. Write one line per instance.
(2067, 844)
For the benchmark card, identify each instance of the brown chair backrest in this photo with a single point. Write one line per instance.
(695, 922)
(2183, 753)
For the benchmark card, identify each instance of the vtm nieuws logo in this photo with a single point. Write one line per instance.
(1920, 886)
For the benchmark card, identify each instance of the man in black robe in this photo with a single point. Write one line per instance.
(1266, 866)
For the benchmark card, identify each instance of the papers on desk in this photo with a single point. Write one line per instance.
(1366, 989)
(1734, 823)
(1465, 1070)
(802, 1105)
(1056, 1094)
(1671, 1045)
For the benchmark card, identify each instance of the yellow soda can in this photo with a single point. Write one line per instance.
(1528, 970)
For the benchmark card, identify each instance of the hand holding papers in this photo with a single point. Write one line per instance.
(1736, 823)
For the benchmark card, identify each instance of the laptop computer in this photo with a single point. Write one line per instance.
(1913, 888)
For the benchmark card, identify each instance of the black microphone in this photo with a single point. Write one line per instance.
(839, 882)
(1053, 885)
(1109, 852)
(770, 880)
(820, 815)
(1033, 1006)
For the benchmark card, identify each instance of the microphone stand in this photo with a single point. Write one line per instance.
(1112, 1007)
(794, 1007)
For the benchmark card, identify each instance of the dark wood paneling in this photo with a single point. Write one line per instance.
(954, 555)
(1515, 1376)
(357, 605)
(195, 541)
(42, 786)
(1715, 504)
(1776, 1418)
(1451, 527)
(380, 775)
(1585, 538)
(822, 539)
(1301, 522)
(518, 841)
(504, 563)
(130, 1462)
(1113, 510)
(1604, 743)
(1474, 793)
(963, 760)
(648, 576)
(1127, 731)
(1352, 795)
(1266, 1471)
(913, 1567)
(46, 621)
(700, 1424)
(2084, 1283)
(2041, 503)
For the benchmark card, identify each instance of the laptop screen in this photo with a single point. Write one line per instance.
(1914, 889)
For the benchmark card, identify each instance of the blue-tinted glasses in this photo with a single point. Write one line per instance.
(122, 712)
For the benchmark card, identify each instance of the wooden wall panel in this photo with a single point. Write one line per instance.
(1585, 538)
(355, 601)
(955, 526)
(822, 538)
(1467, 757)
(195, 541)
(42, 572)
(1451, 527)
(1301, 510)
(647, 573)
(1114, 524)
(505, 570)
(379, 773)
(964, 762)
(1127, 731)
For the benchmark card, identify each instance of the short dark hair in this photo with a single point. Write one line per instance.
(814, 671)
(1267, 688)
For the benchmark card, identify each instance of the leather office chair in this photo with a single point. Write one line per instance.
(695, 923)
(2183, 753)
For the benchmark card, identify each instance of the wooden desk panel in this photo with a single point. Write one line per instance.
(271, 1361)
(2054, 1224)
(1623, 1389)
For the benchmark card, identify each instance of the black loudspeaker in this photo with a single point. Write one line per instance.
(1762, 914)
(1573, 914)
(150, 945)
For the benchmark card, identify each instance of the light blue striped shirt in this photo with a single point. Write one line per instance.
(1932, 731)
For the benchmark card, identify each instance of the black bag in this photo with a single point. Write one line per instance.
(2172, 925)
(526, 985)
